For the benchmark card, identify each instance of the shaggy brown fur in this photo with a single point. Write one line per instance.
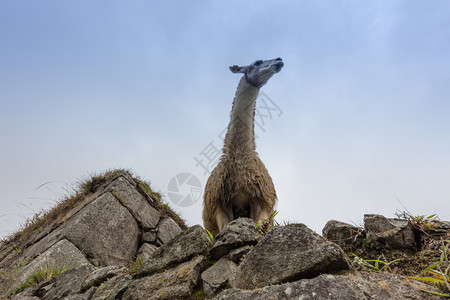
(240, 185)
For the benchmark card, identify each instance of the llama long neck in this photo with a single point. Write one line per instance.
(240, 137)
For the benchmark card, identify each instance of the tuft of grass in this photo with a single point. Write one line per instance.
(211, 237)
(438, 273)
(425, 224)
(268, 223)
(134, 266)
(40, 275)
(43, 219)
(374, 265)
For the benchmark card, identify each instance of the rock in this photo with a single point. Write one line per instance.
(113, 288)
(238, 233)
(175, 283)
(68, 283)
(216, 276)
(139, 207)
(89, 294)
(288, 253)
(100, 275)
(394, 233)
(183, 247)
(355, 286)
(146, 251)
(149, 237)
(342, 233)
(116, 235)
(167, 230)
(61, 255)
(237, 254)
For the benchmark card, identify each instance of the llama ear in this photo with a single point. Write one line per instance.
(237, 69)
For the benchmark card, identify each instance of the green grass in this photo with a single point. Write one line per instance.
(430, 264)
(40, 275)
(438, 273)
(267, 224)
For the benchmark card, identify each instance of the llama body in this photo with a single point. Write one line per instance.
(240, 185)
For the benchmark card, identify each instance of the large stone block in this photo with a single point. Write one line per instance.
(288, 253)
(394, 233)
(237, 233)
(355, 286)
(139, 207)
(61, 255)
(183, 247)
(342, 233)
(174, 283)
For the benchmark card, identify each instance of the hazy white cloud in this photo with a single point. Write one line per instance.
(90, 86)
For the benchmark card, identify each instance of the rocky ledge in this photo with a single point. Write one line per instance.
(119, 244)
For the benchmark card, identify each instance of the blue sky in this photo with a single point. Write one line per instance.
(87, 86)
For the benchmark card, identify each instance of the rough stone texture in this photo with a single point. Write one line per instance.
(68, 283)
(146, 251)
(89, 294)
(113, 288)
(186, 245)
(100, 275)
(149, 237)
(237, 254)
(216, 277)
(237, 233)
(62, 254)
(395, 233)
(117, 233)
(139, 207)
(342, 233)
(167, 230)
(355, 286)
(286, 254)
(175, 283)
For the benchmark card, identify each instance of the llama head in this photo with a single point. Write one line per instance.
(259, 72)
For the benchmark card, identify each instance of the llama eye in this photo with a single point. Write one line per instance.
(258, 62)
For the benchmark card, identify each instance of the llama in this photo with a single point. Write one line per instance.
(240, 185)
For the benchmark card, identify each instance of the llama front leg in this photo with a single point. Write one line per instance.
(223, 216)
(257, 213)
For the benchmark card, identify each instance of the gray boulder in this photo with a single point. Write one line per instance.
(175, 283)
(237, 254)
(113, 288)
(138, 206)
(288, 253)
(100, 275)
(355, 286)
(146, 251)
(149, 237)
(186, 245)
(116, 235)
(217, 276)
(394, 233)
(167, 230)
(68, 283)
(342, 233)
(238, 233)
